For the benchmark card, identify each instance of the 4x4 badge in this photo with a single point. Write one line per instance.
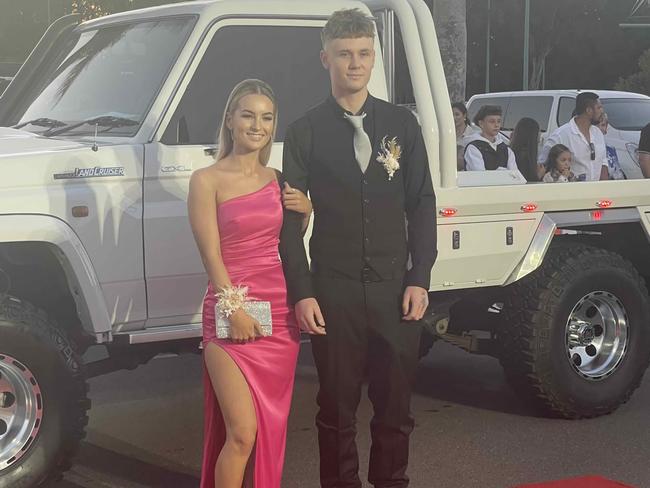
(95, 172)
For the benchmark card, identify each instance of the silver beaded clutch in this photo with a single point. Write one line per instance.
(260, 311)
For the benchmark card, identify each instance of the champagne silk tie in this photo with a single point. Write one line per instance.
(362, 146)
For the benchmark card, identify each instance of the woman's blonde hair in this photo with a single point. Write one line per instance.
(242, 89)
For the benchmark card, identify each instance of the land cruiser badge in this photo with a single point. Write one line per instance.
(95, 172)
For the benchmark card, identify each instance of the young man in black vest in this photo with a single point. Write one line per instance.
(487, 150)
(364, 164)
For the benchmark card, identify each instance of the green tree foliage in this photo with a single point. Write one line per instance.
(91, 9)
(638, 82)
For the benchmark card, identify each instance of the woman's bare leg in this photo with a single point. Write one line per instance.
(239, 416)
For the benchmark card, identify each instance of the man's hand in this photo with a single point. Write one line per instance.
(414, 303)
(310, 319)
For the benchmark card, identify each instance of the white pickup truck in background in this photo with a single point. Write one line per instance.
(100, 131)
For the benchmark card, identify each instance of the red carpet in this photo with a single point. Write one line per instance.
(584, 482)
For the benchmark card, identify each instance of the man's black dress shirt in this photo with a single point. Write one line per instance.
(359, 219)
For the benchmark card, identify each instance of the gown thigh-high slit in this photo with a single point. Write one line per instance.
(249, 228)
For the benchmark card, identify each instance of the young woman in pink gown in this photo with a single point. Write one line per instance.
(235, 209)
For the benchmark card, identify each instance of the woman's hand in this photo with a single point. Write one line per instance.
(294, 199)
(243, 327)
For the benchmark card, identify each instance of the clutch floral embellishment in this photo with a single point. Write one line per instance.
(389, 154)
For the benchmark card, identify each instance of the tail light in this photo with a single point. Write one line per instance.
(529, 207)
(447, 212)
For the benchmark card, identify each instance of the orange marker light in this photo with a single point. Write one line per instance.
(529, 207)
(447, 212)
(604, 203)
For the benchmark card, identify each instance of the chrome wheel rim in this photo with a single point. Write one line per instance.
(597, 335)
(21, 410)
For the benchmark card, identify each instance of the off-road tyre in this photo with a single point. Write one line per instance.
(535, 345)
(31, 345)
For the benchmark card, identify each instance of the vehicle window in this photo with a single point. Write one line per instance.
(476, 105)
(114, 70)
(4, 83)
(286, 57)
(402, 93)
(627, 114)
(403, 85)
(537, 108)
(565, 110)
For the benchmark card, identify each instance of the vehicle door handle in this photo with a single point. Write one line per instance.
(210, 150)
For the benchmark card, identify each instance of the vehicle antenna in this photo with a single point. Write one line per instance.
(95, 148)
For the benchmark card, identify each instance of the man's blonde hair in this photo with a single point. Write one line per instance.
(347, 24)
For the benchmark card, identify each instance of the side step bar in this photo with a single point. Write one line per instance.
(160, 334)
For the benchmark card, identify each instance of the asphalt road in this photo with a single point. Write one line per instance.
(472, 431)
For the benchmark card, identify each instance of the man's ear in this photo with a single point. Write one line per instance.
(324, 59)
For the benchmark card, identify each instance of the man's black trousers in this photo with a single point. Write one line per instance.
(365, 339)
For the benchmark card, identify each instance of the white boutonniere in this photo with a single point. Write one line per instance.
(389, 154)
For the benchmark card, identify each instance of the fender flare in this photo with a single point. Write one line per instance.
(553, 220)
(74, 260)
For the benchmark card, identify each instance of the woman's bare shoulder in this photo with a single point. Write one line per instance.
(209, 177)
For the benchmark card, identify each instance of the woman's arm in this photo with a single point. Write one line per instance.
(295, 200)
(202, 210)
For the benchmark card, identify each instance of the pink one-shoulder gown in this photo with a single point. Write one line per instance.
(249, 228)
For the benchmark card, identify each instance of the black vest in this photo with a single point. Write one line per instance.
(491, 158)
(358, 218)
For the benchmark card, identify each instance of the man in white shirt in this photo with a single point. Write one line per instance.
(585, 140)
(487, 151)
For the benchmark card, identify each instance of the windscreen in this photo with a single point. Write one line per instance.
(114, 70)
(627, 114)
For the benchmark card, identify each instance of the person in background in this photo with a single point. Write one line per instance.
(524, 143)
(614, 167)
(463, 130)
(644, 151)
(461, 122)
(558, 165)
(487, 151)
(582, 136)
